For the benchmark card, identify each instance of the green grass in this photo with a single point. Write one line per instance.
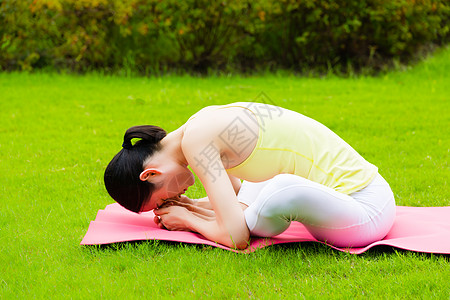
(58, 132)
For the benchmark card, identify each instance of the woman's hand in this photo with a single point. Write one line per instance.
(172, 217)
(194, 209)
(185, 199)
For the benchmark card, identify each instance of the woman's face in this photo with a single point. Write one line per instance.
(171, 183)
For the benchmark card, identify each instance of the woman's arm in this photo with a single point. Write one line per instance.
(204, 202)
(204, 157)
(200, 202)
(206, 141)
(190, 207)
(176, 213)
(229, 228)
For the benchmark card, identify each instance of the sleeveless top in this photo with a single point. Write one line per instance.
(289, 142)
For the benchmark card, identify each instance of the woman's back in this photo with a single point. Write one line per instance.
(262, 140)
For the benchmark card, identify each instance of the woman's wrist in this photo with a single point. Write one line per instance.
(191, 222)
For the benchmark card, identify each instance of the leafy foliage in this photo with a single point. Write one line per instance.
(150, 36)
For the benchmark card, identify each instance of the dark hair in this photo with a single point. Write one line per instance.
(122, 173)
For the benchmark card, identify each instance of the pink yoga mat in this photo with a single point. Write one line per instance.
(421, 229)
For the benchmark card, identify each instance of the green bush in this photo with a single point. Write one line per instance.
(301, 34)
(150, 36)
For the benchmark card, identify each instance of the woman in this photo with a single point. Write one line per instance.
(332, 190)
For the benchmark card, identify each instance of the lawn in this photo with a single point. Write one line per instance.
(58, 133)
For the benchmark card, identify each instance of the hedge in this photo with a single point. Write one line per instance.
(153, 36)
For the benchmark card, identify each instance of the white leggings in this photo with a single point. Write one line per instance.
(354, 220)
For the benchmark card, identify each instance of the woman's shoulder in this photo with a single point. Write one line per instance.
(202, 111)
(205, 119)
(219, 121)
(217, 116)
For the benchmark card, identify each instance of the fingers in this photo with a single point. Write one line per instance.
(161, 211)
(185, 199)
(167, 209)
(158, 222)
(170, 202)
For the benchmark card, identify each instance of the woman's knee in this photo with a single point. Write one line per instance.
(265, 223)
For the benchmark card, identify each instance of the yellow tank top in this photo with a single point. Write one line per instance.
(291, 143)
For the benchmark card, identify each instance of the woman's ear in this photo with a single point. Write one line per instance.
(149, 173)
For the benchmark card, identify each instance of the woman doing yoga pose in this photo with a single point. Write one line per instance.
(293, 167)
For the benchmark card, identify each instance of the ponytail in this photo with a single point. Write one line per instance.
(148, 133)
(122, 174)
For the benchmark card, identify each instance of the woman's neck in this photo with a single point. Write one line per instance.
(171, 145)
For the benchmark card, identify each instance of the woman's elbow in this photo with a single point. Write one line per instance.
(242, 245)
(241, 240)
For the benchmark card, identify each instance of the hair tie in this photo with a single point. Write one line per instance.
(127, 145)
